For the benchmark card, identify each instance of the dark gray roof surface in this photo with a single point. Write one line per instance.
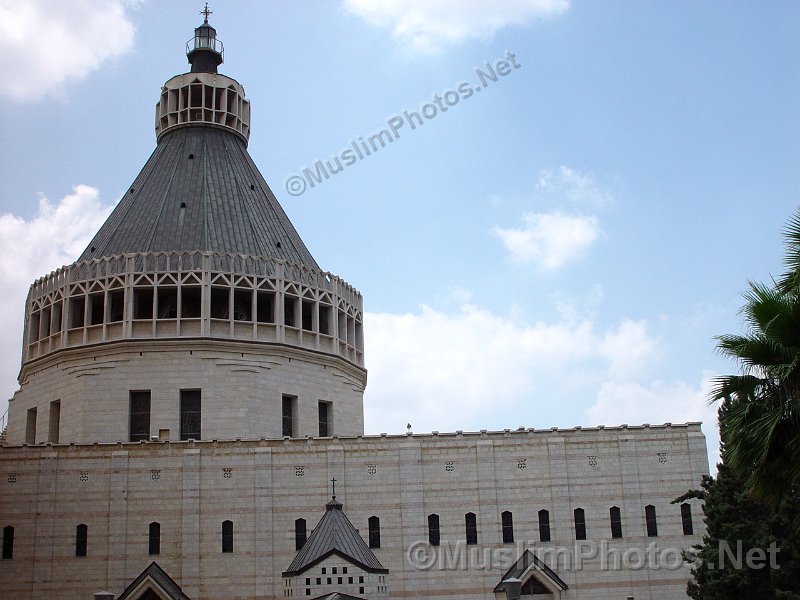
(160, 577)
(337, 596)
(334, 534)
(228, 205)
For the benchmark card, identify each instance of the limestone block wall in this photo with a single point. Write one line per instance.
(241, 390)
(262, 486)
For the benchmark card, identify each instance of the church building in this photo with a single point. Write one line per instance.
(189, 423)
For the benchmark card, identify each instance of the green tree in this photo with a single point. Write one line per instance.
(733, 516)
(763, 417)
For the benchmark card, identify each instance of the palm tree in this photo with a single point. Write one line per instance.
(761, 424)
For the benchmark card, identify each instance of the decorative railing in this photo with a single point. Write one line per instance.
(193, 294)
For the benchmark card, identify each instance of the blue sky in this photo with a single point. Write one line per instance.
(558, 249)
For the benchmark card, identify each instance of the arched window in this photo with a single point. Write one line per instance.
(81, 539)
(544, 525)
(616, 521)
(8, 542)
(374, 532)
(227, 536)
(471, 526)
(686, 519)
(154, 535)
(650, 517)
(299, 533)
(580, 524)
(433, 529)
(507, 520)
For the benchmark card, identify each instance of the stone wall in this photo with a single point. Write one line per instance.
(190, 488)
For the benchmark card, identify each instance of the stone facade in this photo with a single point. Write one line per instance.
(263, 486)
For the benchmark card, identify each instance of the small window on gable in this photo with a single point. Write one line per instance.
(433, 530)
(471, 528)
(508, 527)
(686, 519)
(154, 539)
(81, 539)
(227, 536)
(651, 521)
(580, 524)
(8, 542)
(615, 516)
(544, 525)
(374, 535)
(300, 536)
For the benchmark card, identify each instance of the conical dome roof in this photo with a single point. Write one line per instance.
(200, 190)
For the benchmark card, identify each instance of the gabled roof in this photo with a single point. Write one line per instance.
(157, 576)
(524, 568)
(200, 190)
(334, 534)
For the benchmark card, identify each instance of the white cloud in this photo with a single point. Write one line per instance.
(658, 402)
(573, 185)
(55, 236)
(445, 370)
(427, 25)
(550, 240)
(46, 43)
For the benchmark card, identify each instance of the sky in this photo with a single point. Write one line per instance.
(556, 248)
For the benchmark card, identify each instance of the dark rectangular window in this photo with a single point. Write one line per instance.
(227, 536)
(167, 303)
(55, 421)
(30, 427)
(580, 524)
(96, 308)
(139, 425)
(190, 414)
(615, 517)
(508, 527)
(242, 305)
(220, 303)
(300, 535)
(288, 408)
(154, 539)
(650, 517)
(191, 302)
(289, 303)
(544, 525)
(265, 306)
(116, 299)
(374, 534)
(77, 307)
(433, 530)
(143, 303)
(81, 539)
(325, 424)
(8, 542)
(686, 519)
(471, 527)
(308, 315)
(325, 313)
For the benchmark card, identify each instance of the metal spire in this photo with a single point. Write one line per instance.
(205, 12)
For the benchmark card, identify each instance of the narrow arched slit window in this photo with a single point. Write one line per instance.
(81, 539)
(433, 529)
(544, 525)
(374, 532)
(471, 527)
(580, 524)
(686, 519)
(154, 539)
(507, 520)
(650, 518)
(227, 536)
(8, 542)
(299, 533)
(615, 517)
